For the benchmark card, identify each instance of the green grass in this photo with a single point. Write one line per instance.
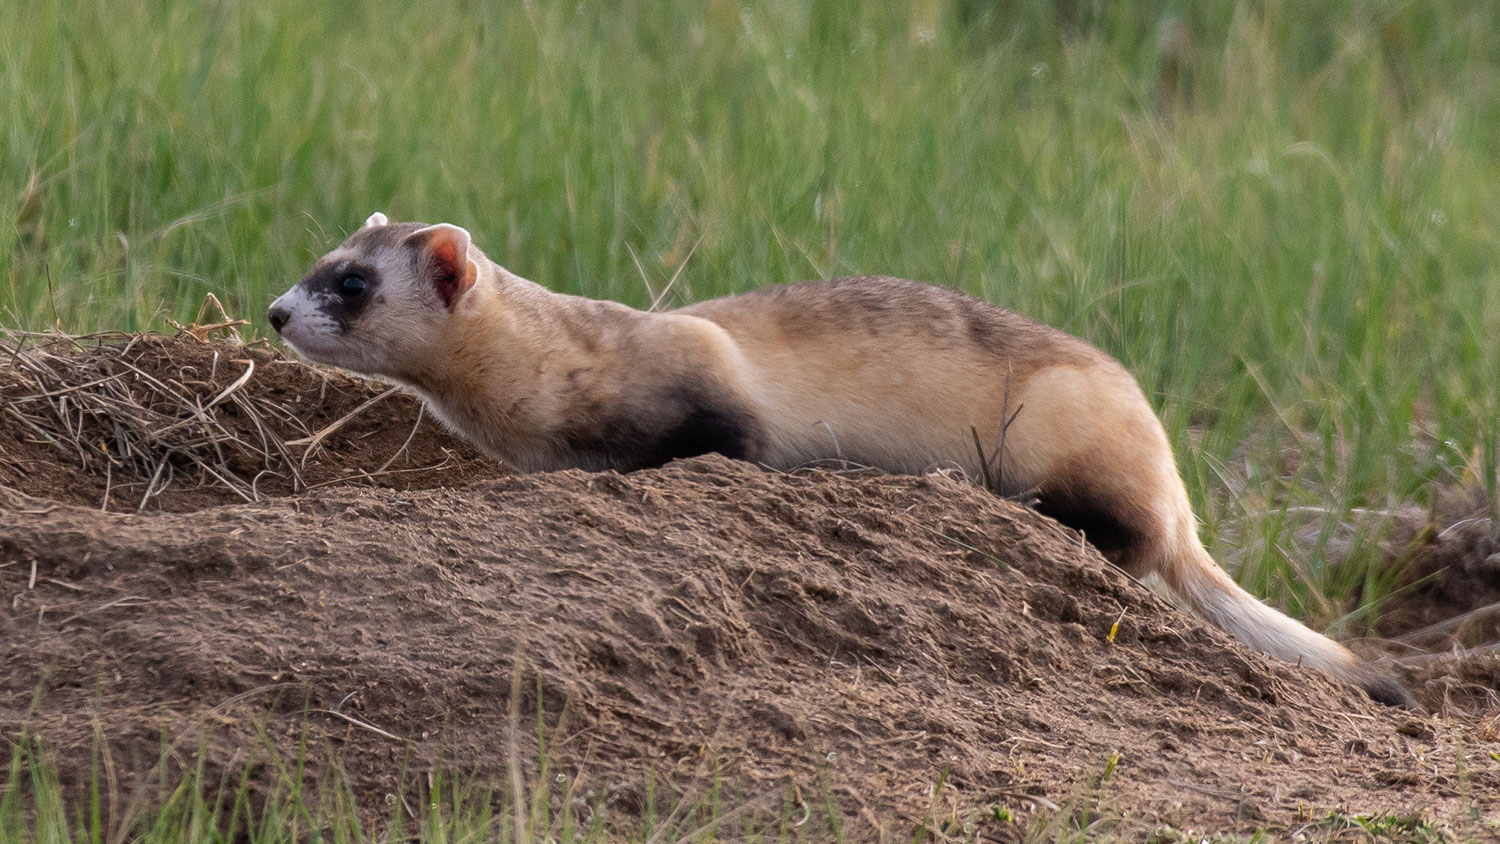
(274, 799)
(1281, 215)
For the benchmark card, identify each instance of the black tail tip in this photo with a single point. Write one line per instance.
(1386, 689)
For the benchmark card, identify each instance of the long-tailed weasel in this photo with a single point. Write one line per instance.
(877, 371)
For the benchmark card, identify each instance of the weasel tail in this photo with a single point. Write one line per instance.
(876, 371)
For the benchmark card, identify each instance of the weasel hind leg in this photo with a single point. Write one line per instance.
(1110, 474)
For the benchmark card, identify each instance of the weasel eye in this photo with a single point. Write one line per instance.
(352, 286)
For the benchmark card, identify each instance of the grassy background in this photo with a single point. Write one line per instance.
(1280, 215)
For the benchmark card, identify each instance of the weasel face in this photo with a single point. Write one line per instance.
(376, 303)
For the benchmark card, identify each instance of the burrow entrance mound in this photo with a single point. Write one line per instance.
(873, 634)
(147, 422)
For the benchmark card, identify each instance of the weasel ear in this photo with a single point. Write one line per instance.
(446, 262)
(376, 219)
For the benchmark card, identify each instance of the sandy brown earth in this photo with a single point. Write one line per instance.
(857, 637)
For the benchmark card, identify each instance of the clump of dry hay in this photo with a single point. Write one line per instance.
(88, 398)
(200, 418)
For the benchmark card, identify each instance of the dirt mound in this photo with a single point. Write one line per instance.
(1449, 592)
(1443, 615)
(148, 422)
(780, 623)
(876, 634)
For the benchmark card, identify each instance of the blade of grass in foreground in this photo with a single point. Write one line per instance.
(443, 807)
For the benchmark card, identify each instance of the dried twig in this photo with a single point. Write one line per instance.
(364, 725)
(421, 411)
(313, 441)
(992, 465)
(126, 601)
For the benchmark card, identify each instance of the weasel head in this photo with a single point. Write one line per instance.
(381, 300)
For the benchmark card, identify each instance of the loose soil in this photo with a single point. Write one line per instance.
(862, 636)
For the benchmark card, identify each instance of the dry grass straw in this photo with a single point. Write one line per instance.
(97, 401)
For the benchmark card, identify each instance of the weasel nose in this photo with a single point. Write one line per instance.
(278, 317)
